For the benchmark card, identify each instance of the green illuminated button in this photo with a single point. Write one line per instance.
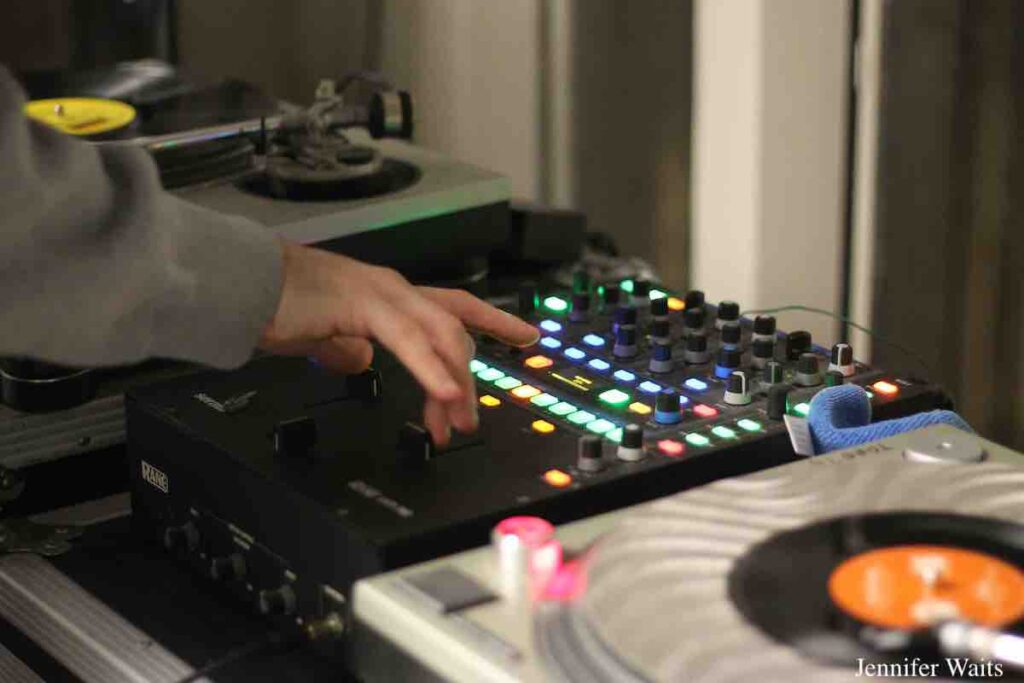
(476, 366)
(507, 383)
(614, 434)
(656, 294)
(870, 394)
(490, 374)
(581, 417)
(626, 286)
(697, 440)
(599, 426)
(748, 425)
(614, 397)
(802, 409)
(723, 432)
(556, 304)
(543, 400)
(562, 408)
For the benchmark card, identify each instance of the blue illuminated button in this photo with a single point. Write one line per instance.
(572, 353)
(593, 340)
(476, 366)
(599, 365)
(684, 401)
(600, 426)
(649, 387)
(550, 326)
(624, 376)
(694, 384)
(551, 343)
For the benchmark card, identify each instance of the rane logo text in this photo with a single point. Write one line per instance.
(154, 476)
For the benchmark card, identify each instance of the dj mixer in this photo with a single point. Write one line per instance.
(287, 483)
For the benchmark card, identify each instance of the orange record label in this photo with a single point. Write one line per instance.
(913, 586)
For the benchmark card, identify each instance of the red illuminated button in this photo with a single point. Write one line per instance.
(701, 410)
(671, 447)
(557, 478)
(885, 388)
(538, 362)
(532, 531)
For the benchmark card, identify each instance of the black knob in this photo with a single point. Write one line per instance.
(527, 298)
(778, 397)
(666, 407)
(796, 343)
(833, 378)
(764, 325)
(633, 436)
(772, 373)
(227, 567)
(729, 358)
(841, 360)
(581, 282)
(659, 307)
(366, 385)
(660, 329)
(661, 358)
(808, 373)
(641, 288)
(693, 319)
(277, 601)
(184, 538)
(696, 351)
(697, 344)
(625, 342)
(624, 316)
(580, 306)
(295, 437)
(414, 443)
(610, 294)
(763, 349)
(731, 334)
(588, 453)
(694, 299)
(728, 311)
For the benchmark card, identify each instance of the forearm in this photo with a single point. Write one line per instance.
(99, 265)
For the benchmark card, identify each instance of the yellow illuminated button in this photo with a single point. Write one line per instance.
(675, 304)
(542, 427)
(489, 401)
(525, 392)
(557, 478)
(640, 408)
(538, 362)
(885, 388)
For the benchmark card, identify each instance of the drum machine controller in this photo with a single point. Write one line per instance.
(287, 483)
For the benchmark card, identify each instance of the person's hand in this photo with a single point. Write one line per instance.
(331, 307)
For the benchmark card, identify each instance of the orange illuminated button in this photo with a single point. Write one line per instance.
(557, 478)
(675, 304)
(525, 392)
(538, 362)
(542, 427)
(913, 586)
(489, 401)
(640, 408)
(671, 447)
(885, 388)
(705, 411)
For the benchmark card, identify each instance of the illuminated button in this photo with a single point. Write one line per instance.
(694, 384)
(640, 408)
(550, 343)
(599, 365)
(557, 478)
(656, 294)
(555, 304)
(704, 411)
(697, 440)
(626, 286)
(507, 383)
(870, 394)
(675, 304)
(538, 362)
(581, 417)
(544, 400)
(562, 408)
(624, 376)
(524, 392)
(593, 340)
(885, 388)
(671, 447)
(542, 427)
(550, 326)
(684, 401)
(614, 397)
(748, 425)
(476, 366)
(600, 426)
(490, 374)
(723, 432)
(572, 353)
(489, 401)
(802, 409)
(614, 435)
(649, 387)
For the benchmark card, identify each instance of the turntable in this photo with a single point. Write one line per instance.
(899, 559)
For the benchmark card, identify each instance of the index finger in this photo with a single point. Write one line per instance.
(482, 317)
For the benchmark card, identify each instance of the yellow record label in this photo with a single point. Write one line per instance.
(81, 115)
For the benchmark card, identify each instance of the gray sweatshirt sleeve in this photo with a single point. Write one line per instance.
(99, 266)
